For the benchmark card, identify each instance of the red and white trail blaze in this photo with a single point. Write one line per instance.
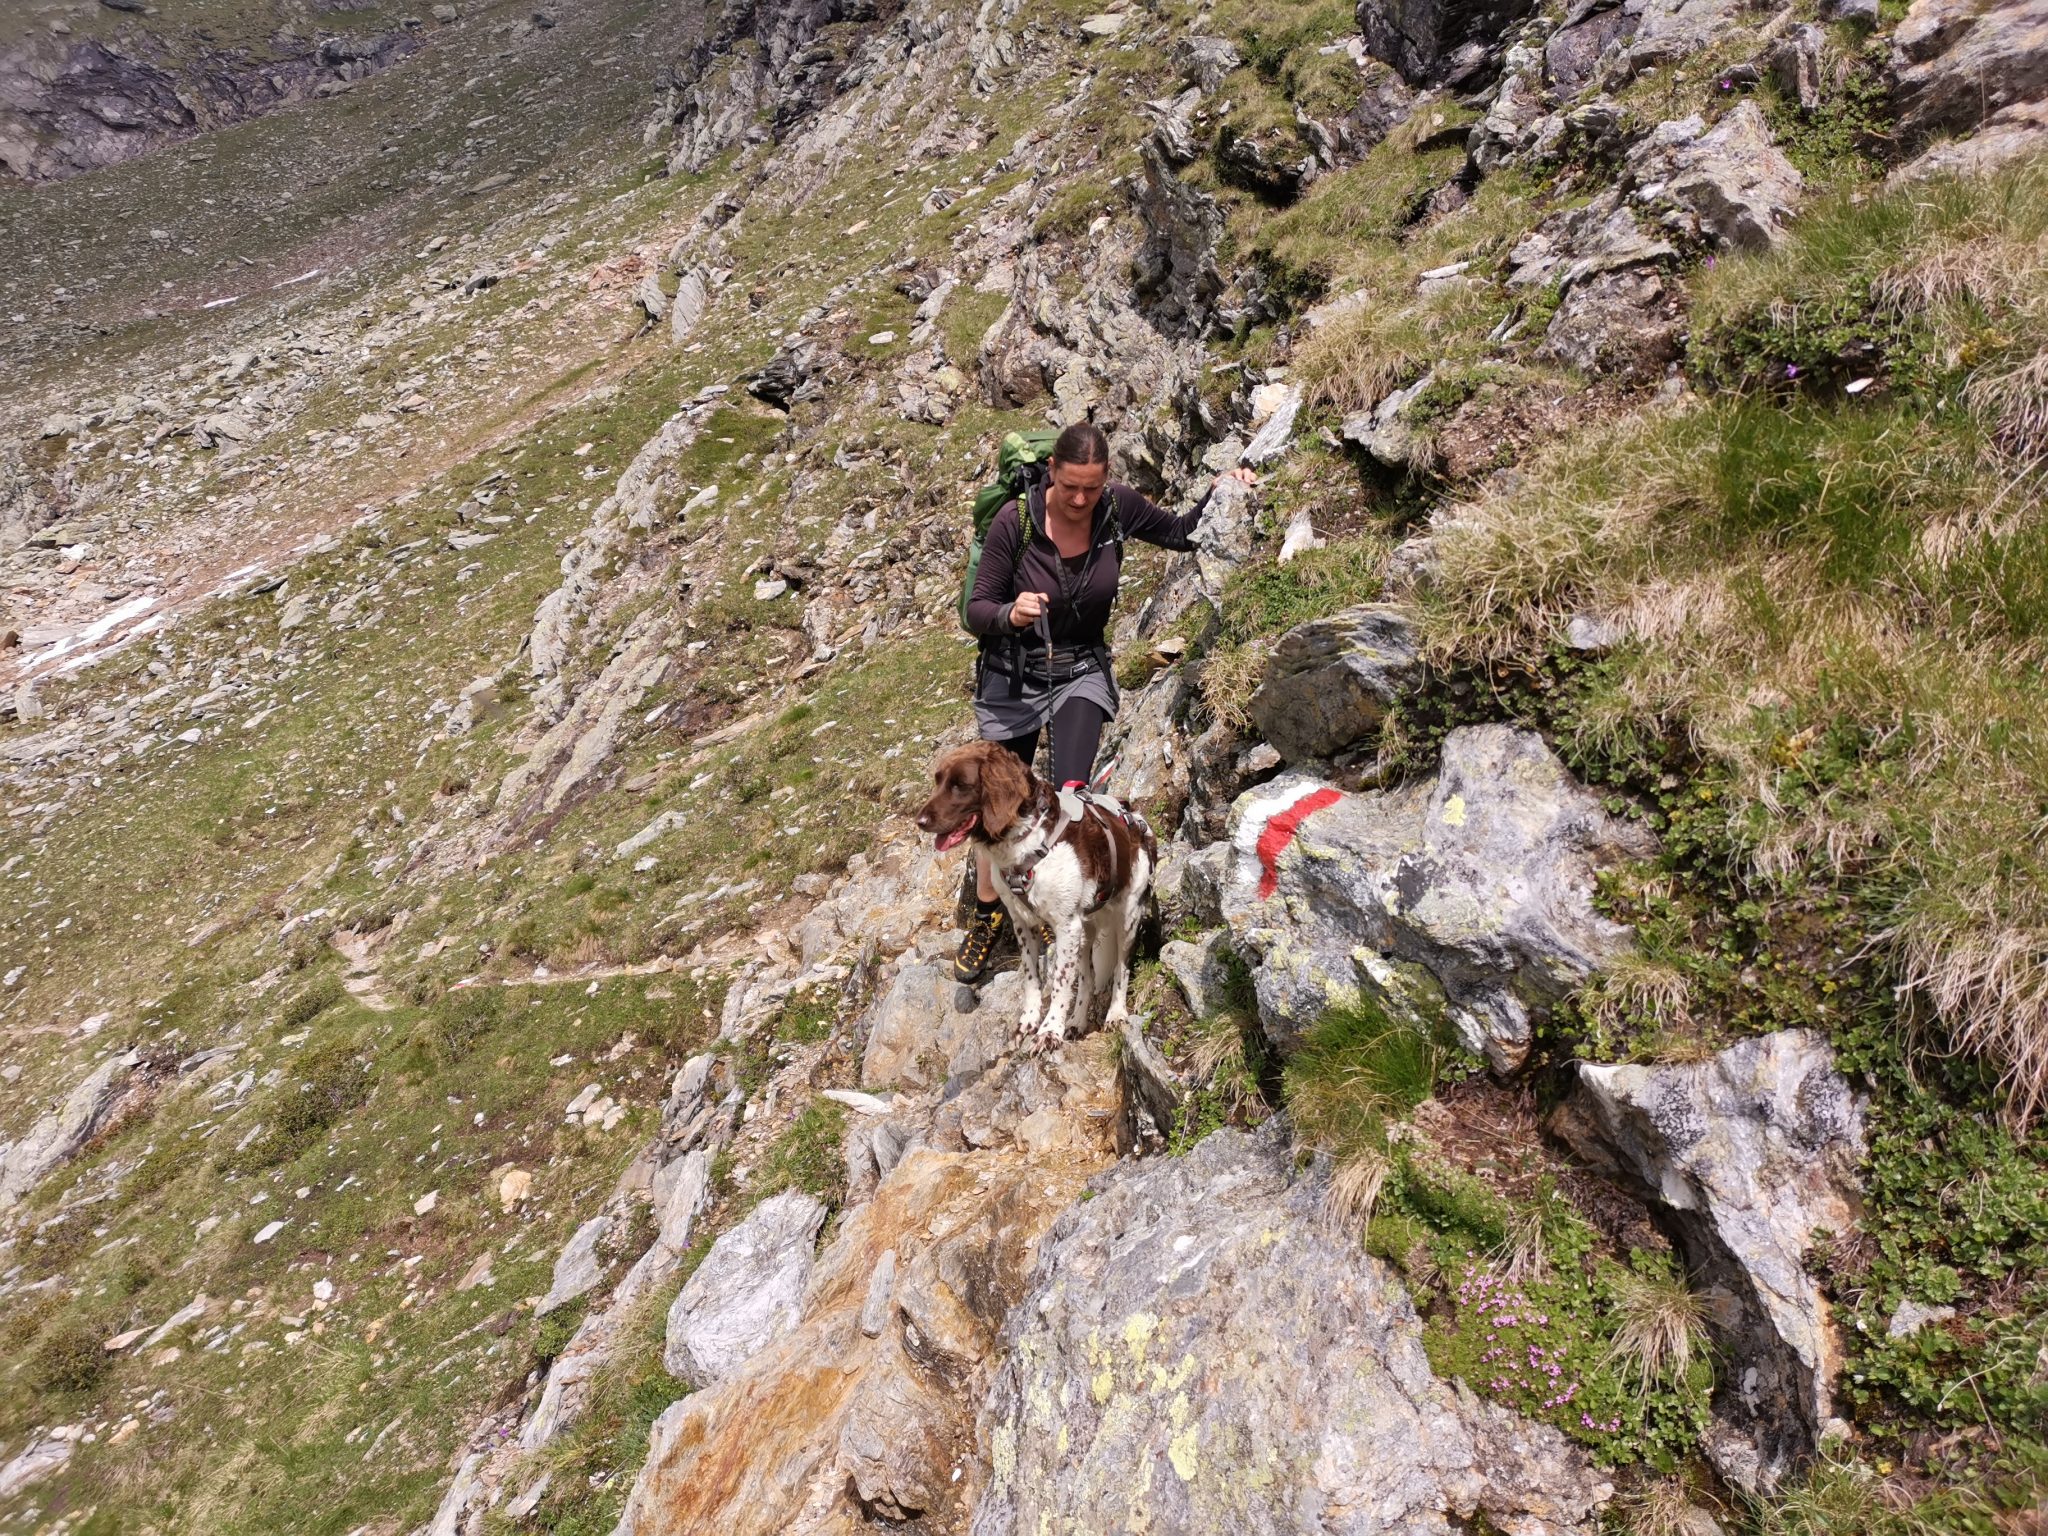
(1270, 824)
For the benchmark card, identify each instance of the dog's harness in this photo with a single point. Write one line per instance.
(1073, 805)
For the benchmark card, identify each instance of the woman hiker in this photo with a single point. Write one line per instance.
(1041, 615)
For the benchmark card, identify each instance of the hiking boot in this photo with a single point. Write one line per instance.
(989, 939)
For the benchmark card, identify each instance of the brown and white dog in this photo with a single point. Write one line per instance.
(1076, 867)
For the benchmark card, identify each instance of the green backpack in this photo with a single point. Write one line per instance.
(1021, 453)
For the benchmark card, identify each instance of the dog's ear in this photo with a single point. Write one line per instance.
(1005, 786)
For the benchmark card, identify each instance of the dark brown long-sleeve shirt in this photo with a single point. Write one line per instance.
(1078, 613)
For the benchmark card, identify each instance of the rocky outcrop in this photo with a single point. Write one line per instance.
(1175, 271)
(745, 1294)
(1730, 181)
(752, 77)
(866, 1409)
(1463, 901)
(71, 107)
(1437, 42)
(55, 1138)
(1196, 1355)
(578, 1268)
(1331, 680)
(1627, 325)
(1745, 1159)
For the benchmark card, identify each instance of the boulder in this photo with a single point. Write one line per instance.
(1148, 746)
(55, 1138)
(1747, 1157)
(747, 1293)
(1460, 901)
(1196, 1355)
(791, 375)
(1959, 62)
(1384, 431)
(1382, 106)
(686, 309)
(1174, 132)
(648, 295)
(1270, 441)
(1667, 31)
(1204, 61)
(1331, 680)
(1510, 123)
(1795, 61)
(1223, 538)
(1580, 243)
(1571, 56)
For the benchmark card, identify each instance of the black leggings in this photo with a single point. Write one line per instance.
(1076, 733)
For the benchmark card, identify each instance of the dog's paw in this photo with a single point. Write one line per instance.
(1051, 1035)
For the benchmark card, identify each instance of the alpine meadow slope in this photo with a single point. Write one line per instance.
(483, 498)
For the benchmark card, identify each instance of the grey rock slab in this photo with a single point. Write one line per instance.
(1509, 124)
(1202, 969)
(1223, 538)
(1750, 1154)
(454, 1503)
(648, 295)
(1959, 62)
(1733, 181)
(874, 1311)
(1271, 440)
(1433, 42)
(747, 1293)
(2018, 130)
(1572, 246)
(1670, 30)
(1464, 899)
(1175, 270)
(1196, 1355)
(1911, 1316)
(578, 1268)
(57, 1136)
(1572, 55)
(1175, 131)
(915, 1033)
(686, 309)
(1331, 680)
(1383, 431)
(42, 1457)
(1624, 325)
(1204, 61)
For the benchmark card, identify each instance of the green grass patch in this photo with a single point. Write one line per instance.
(805, 1156)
